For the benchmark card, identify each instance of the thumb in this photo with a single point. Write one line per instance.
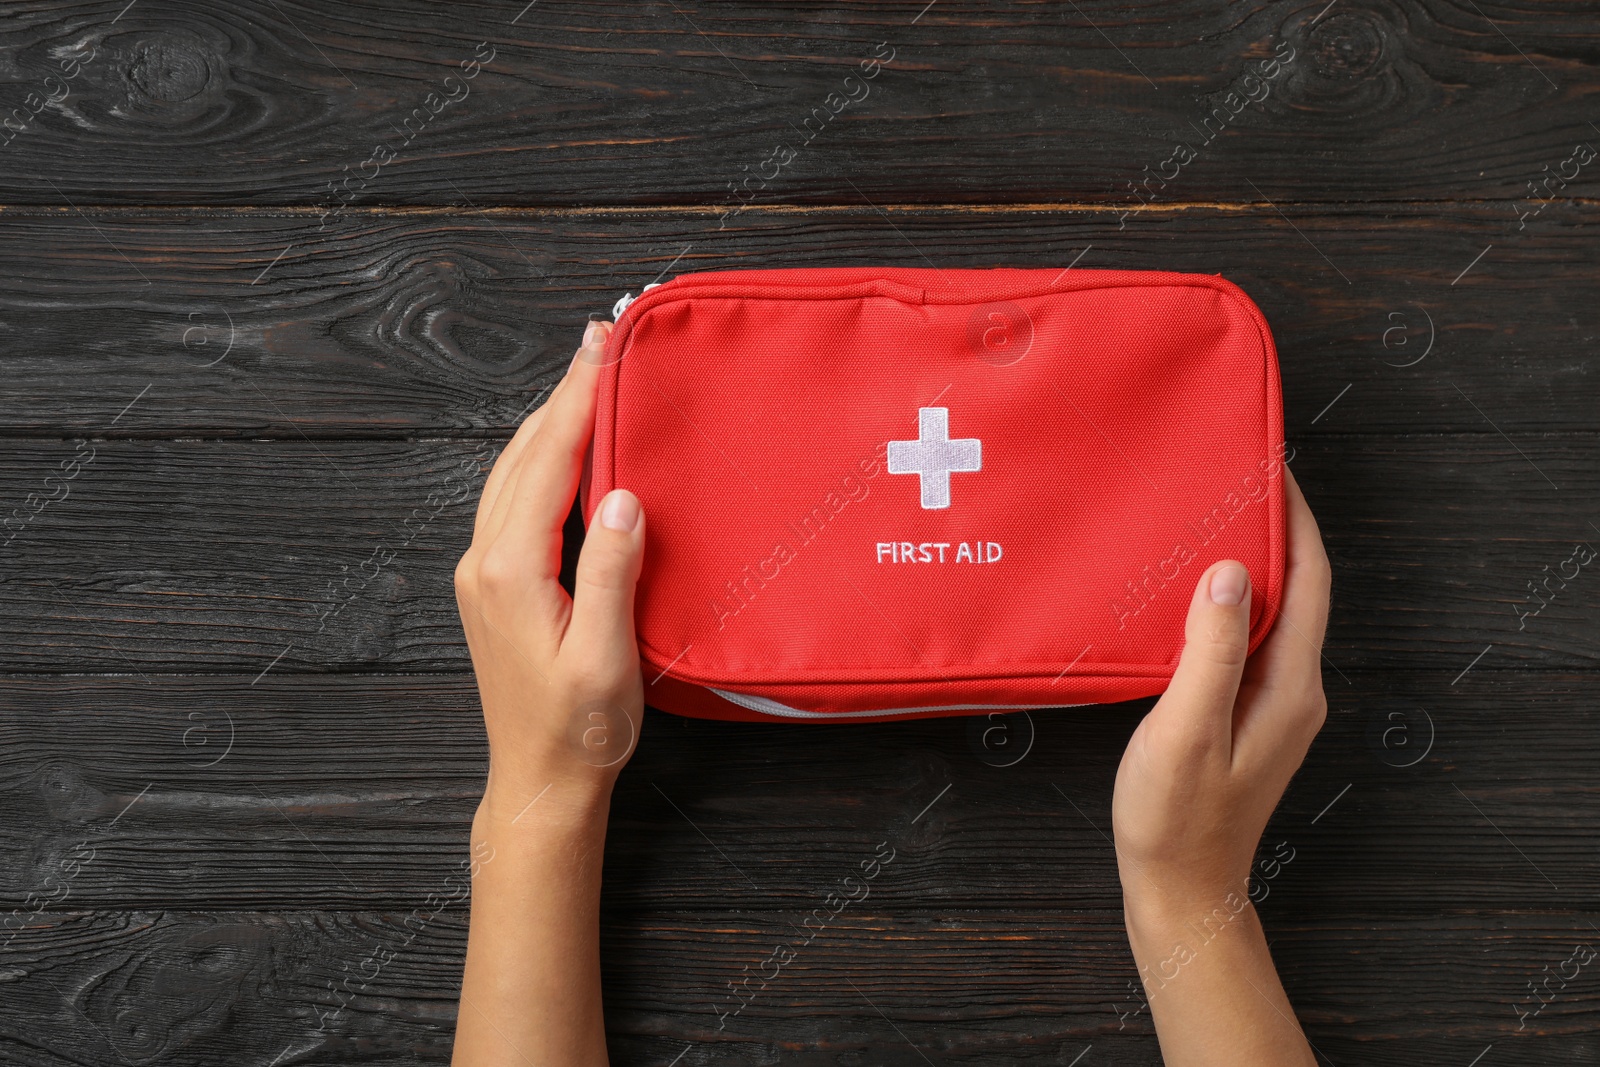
(1199, 701)
(601, 634)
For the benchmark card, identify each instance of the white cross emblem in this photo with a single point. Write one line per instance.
(933, 457)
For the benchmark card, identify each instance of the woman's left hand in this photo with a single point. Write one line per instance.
(558, 674)
(562, 700)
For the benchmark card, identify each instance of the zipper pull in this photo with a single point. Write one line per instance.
(628, 298)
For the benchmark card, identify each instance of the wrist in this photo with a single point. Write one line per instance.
(1166, 909)
(1165, 931)
(1167, 893)
(563, 799)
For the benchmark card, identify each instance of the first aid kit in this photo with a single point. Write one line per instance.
(879, 493)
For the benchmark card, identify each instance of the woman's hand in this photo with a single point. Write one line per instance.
(1200, 778)
(562, 700)
(559, 675)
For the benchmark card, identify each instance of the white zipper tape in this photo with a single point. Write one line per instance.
(772, 707)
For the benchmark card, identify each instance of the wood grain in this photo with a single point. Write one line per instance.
(1423, 793)
(448, 322)
(263, 102)
(878, 985)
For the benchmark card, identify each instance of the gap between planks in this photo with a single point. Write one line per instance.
(713, 210)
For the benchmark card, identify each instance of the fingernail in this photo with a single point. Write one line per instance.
(593, 350)
(619, 511)
(1229, 583)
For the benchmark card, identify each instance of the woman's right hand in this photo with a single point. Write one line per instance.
(1197, 784)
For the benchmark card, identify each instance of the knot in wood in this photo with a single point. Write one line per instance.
(1346, 45)
(169, 68)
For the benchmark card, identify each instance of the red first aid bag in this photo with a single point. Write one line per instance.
(879, 493)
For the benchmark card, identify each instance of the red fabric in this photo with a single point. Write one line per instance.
(1131, 434)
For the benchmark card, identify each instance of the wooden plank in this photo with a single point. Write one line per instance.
(453, 323)
(267, 103)
(340, 555)
(882, 985)
(357, 792)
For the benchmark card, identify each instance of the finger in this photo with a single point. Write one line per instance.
(600, 637)
(503, 467)
(1290, 658)
(523, 443)
(538, 496)
(1198, 704)
(1283, 681)
(491, 512)
(1309, 578)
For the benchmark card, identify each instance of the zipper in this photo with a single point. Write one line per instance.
(771, 707)
(910, 294)
(628, 298)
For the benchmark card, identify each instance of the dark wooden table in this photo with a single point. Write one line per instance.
(272, 271)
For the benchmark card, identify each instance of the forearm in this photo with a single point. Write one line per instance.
(1214, 993)
(531, 991)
